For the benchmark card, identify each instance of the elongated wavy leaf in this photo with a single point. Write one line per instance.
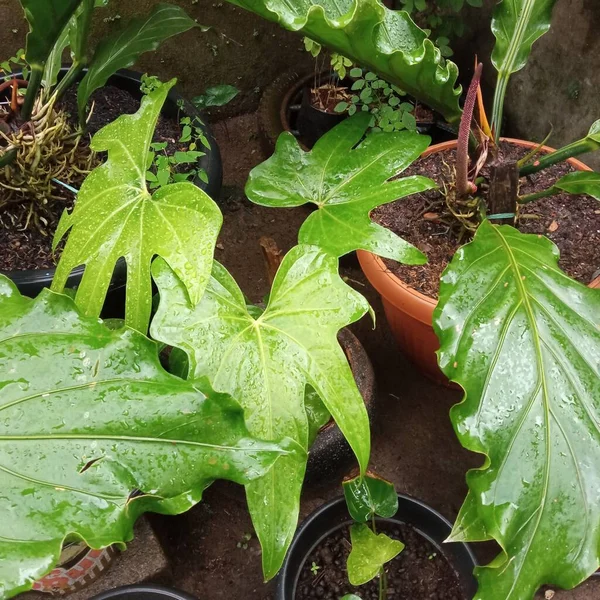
(374, 37)
(516, 24)
(123, 48)
(346, 178)
(523, 340)
(115, 216)
(268, 360)
(93, 432)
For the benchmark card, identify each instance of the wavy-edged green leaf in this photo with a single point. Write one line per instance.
(115, 216)
(523, 340)
(54, 60)
(581, 182)
(369, 553)
(346, 178)
(124, 47)
(516, 24)
(374, 37)
(94, 432)
(268, 360)
(368, 496)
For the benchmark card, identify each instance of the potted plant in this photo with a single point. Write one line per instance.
(516, 333)
(374, 543)
(47, 118)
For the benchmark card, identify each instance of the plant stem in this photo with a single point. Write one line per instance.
(575, 149)
(68, 80)
(537, 195)
(35, 81)
(382, 584)
(498, 108)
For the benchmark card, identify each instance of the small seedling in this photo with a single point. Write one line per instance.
(243, 544)
(314, 568)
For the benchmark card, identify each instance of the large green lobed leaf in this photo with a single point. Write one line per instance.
(523, 340)
(374, 37)
(124, 47)
(346, 177)
(115, 216)
(268, 359)
(93, 432)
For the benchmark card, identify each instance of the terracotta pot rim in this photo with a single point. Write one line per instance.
(382, 277)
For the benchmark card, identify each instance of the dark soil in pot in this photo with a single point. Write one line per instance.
(571, 222)
(419, 572)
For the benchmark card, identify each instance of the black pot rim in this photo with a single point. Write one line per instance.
(458, 554)
(150, 591)
(31, 281)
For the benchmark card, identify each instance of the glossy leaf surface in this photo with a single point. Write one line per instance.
(47, 20)
(346, 178)
(124, 47)
(88, 417)
(580, 182)
(268, 359)
(523, 340)
(368, 496)
(369, 553)
(516, 24)
(115, 216)
(369, 34)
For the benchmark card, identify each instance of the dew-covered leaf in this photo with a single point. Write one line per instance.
(267, 359)
(523, 341)
(368, 496)
(94, 432)
(346, 177)
(115, 216)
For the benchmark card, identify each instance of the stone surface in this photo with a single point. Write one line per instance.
(143, 561)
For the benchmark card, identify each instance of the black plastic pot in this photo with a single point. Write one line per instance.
(31, 282)
(333, 516)
(312, 121)
(143, 592)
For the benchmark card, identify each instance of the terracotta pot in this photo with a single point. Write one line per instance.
(409, 312)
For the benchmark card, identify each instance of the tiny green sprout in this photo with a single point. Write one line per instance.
(243, 543)
(314, 568)
(432, 556)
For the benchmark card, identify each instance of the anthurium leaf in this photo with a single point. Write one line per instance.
(580, 182)
(369, 553)
(316, 413)
(368, 496)
(94, 432)
(47, 20)
(523, 340)
(516, 25)
(346, 178)
(115, 216)
(268, 359)
(469, 527)
(54, 60)
(381, 40)
(123, 48)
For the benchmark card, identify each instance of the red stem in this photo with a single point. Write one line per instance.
(463, 185)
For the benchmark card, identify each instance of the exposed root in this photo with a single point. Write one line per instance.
(48, 148)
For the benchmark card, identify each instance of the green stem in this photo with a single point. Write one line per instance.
(498, 108)
(68, 80)
(537, 195)
(575, 149)
(382, 584)
(33, 87)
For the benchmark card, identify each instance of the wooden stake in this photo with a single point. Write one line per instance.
(272, 256)
(504, 189)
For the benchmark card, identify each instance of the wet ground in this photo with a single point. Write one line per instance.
(413, 442)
